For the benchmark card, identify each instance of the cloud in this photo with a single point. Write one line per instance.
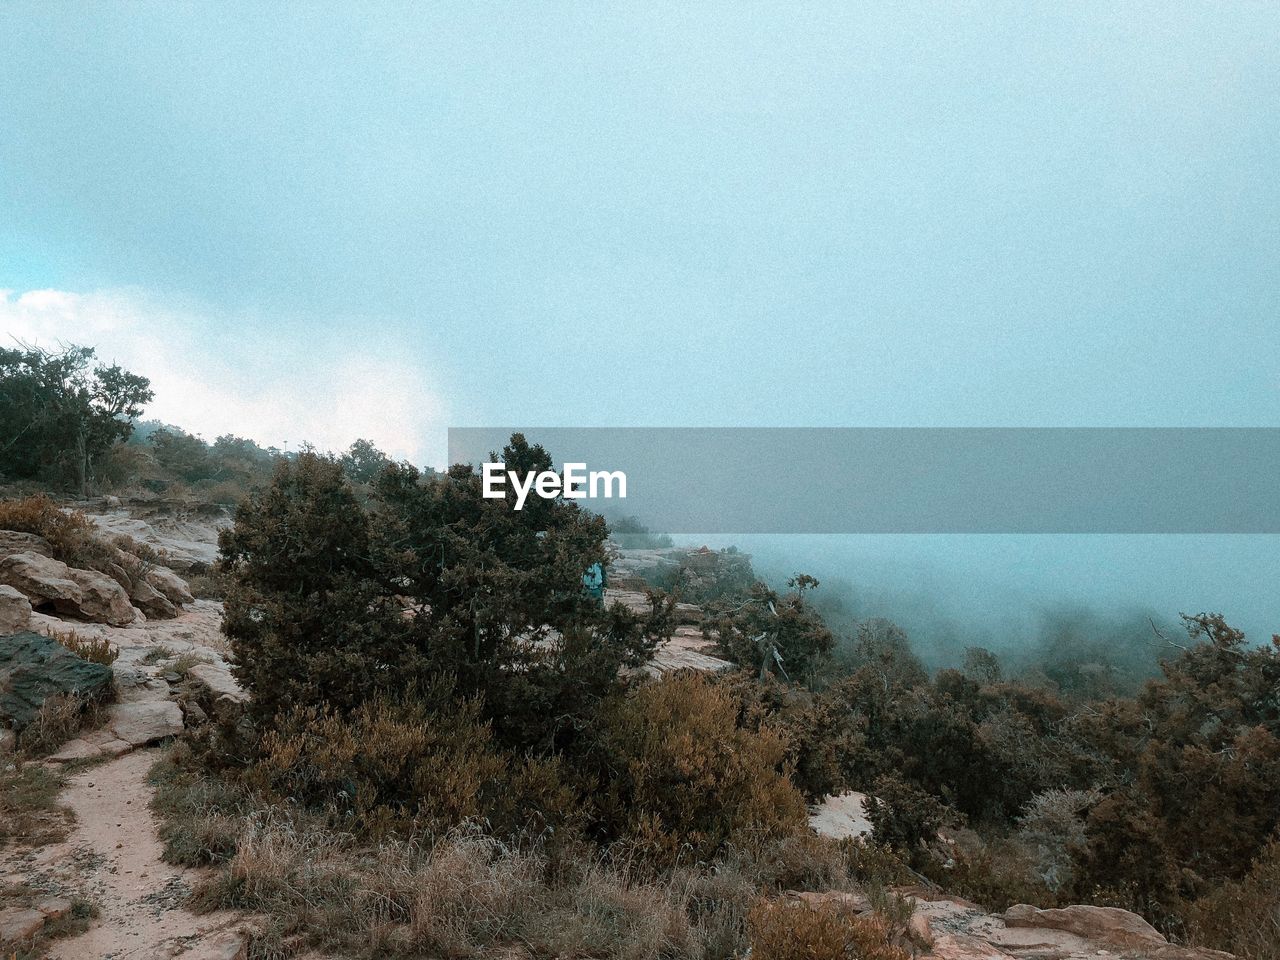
(273, 390)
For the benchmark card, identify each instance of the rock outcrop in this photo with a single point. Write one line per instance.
(144, 722)
(43, 580)
(34, 668)
(12, 541)
(102, 599)
(15, 611)
(83, 594)
(1108, 925)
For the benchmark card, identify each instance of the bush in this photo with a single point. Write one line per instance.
(904, 816)
(389, 767)
(686, 779)
(829, 931)
(1243, 917)
(70, 533)
(93, 649)
(1052, 829)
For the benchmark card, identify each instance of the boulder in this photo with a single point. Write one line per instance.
(11, 541)
(43, 580)
(34, 668)
(1105, 925)
(151, 601)
(103, 600)
(168, 583)
(8, 742)
(145, 721)
(15, 610)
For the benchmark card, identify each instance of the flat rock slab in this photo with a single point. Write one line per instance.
(75, 750)
(218, 679)
(1107, 925)
(144, 722)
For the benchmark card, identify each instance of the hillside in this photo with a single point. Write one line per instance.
(171, 678)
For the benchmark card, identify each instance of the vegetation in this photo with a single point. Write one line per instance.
(60, 413)
(336, 602)
(450, 751)
(94, 649)
(827, 931)
(29, 814)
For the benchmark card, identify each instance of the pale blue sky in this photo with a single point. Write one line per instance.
(311, 221)
(967, 213)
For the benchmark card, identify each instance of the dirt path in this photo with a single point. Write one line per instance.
(113, 857)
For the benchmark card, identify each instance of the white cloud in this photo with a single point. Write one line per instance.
(276, 391)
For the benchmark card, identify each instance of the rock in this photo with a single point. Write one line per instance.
(54, 908)
(228, 698)
(106, 743)
(151, 601)
(75, 750)
(15, 610)
(83, 593)
(841, 816)
(228, 945)
(103, 600)
(144, 722)
(919, 931)
(8, 742)
(34, 668)
(19, 923)
(1106, 925)
(11, 541)
(193, 713)
(170, 585)
(134, 684)
(43, 580)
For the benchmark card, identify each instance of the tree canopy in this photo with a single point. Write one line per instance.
(60, 412)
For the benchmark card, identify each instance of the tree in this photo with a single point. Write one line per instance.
(748, 631)
(59, 412)
(363, 461)
(336, 601)
(182, 454)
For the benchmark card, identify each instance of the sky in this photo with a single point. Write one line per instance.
(312, 222)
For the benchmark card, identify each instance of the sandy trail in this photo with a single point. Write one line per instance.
(113, 857)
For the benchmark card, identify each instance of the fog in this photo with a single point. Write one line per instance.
(1016, 594)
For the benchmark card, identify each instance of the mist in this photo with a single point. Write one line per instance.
(1020, 595)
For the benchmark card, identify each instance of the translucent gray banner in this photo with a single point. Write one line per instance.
(921, 480)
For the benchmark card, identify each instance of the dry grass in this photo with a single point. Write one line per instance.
(465, 895)
(29, 812)
(93, 649)
(60, 718)
(784, 930)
